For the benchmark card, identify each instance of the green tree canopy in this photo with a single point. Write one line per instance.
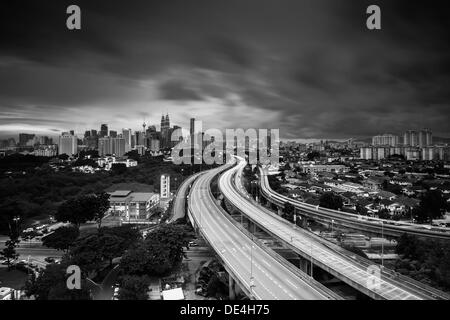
(331, 201)
(61, 238)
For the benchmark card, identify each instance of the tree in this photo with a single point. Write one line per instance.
(313, 155)
(76, 211)
(9, 252)
(84, 208)
(433, 204)
(52, 285)
(331, 201)
(134, 288)
(146, 258)
(160, 252)
(289, 210)
(101, 205)
(61, 238)
(118, 168)
(128, 234)
(92, 251)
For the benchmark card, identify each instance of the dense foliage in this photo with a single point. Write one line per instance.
(425, 260)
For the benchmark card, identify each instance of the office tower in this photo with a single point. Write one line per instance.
(165, 186)
(104, 146)
(24, 138)
(154, 145)
(192, 127)
(126, 134)
(87, 134)
(385, 140)
(165, 131)
(93, 133)
(118, 146)
(113, 134)
(72, 132)
(68, 144)
(103, 130)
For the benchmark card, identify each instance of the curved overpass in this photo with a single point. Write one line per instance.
(342, 265)
(353, 221)
(258, 273)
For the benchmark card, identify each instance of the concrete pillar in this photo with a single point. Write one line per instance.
(231, 289)
(279, 211)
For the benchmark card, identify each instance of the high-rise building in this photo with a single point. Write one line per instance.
(192, 127)
(126, 133)
(72, 132)
(68, 144)
(104, 146)
(410, 138)
(118, 146)
(165, 131)
(425, 137)
(103, 130)
(113, 134)
(24, 138)
(385, 140)
(154, 145)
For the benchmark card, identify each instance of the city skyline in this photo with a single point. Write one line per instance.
(274, 67)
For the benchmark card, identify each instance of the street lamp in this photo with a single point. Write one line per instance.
(332, 223)
(382, 243)
(310, 254)
(252, 281)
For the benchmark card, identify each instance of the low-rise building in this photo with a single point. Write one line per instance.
(133, 205)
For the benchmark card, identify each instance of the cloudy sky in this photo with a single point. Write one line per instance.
(310, 68)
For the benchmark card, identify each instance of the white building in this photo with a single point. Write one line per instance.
(67, 144)
(165, 186)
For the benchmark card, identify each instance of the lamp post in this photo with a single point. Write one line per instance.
(382, 243)
(310, 254)
(252, 281)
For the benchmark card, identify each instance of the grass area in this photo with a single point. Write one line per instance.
(13, 279)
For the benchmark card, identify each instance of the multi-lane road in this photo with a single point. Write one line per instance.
(255, 270)
(345, 268)
(179, 205)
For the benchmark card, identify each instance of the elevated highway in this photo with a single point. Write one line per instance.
(372, 225)
(337, 262)
(258, 274)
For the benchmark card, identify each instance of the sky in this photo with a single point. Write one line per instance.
(310, 68)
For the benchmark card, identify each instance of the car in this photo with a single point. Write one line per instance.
(50, 259)
(193, 244)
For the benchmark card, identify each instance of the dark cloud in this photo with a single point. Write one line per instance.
(311, 65)
(177, 90)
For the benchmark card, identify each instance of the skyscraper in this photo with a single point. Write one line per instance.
(425, 137)
(192, 127)
(385, 140)
(103, 130)
(118, 146)
(113, 134)
(126, 133)
(410, 138)
(104, 146)
(165, 131)
(67, 144)
(24, 138)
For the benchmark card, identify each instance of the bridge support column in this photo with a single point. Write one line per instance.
(279, 211)
(231, 288)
